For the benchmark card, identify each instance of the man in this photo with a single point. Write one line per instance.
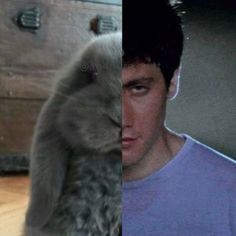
(172, 184)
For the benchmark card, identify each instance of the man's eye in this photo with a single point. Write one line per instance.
(138, 89)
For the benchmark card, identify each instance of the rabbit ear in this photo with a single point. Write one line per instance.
(47, 168)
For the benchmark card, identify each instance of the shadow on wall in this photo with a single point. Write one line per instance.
(205, 107)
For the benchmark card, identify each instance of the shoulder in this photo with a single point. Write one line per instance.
(213, 158)
(213, 165)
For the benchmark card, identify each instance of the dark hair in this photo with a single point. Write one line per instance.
(152, 30)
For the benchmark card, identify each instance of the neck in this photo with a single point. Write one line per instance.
(165, 148)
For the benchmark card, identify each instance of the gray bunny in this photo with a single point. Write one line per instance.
(75, 166)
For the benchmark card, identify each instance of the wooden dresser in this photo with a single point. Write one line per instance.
(37, 38)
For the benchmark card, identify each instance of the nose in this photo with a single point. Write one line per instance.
(115, 112)
(127, 113)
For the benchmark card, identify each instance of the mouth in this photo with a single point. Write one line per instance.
(128, 141)
(110, 147)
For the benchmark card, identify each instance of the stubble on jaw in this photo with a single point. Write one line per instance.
(153, 160)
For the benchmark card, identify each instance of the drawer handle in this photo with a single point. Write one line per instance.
(29, 19)
(103, 24)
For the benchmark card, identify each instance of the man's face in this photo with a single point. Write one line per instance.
(143, 111)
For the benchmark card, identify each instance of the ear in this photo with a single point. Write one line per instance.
(174, 85)
(47, 168)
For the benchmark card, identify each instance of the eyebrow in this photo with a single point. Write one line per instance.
(136, 81)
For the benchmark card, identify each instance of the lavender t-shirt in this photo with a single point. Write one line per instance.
(193, 195)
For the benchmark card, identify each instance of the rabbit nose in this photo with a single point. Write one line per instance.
(115, 115)
(118, 112)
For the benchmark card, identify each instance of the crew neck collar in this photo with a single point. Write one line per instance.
(166, 169)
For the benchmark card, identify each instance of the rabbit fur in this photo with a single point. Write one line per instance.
(75, 160)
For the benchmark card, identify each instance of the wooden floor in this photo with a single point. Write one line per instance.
(13, 203)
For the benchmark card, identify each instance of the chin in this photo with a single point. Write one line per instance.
(129, 160)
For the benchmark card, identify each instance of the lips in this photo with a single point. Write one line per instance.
(128, 141)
